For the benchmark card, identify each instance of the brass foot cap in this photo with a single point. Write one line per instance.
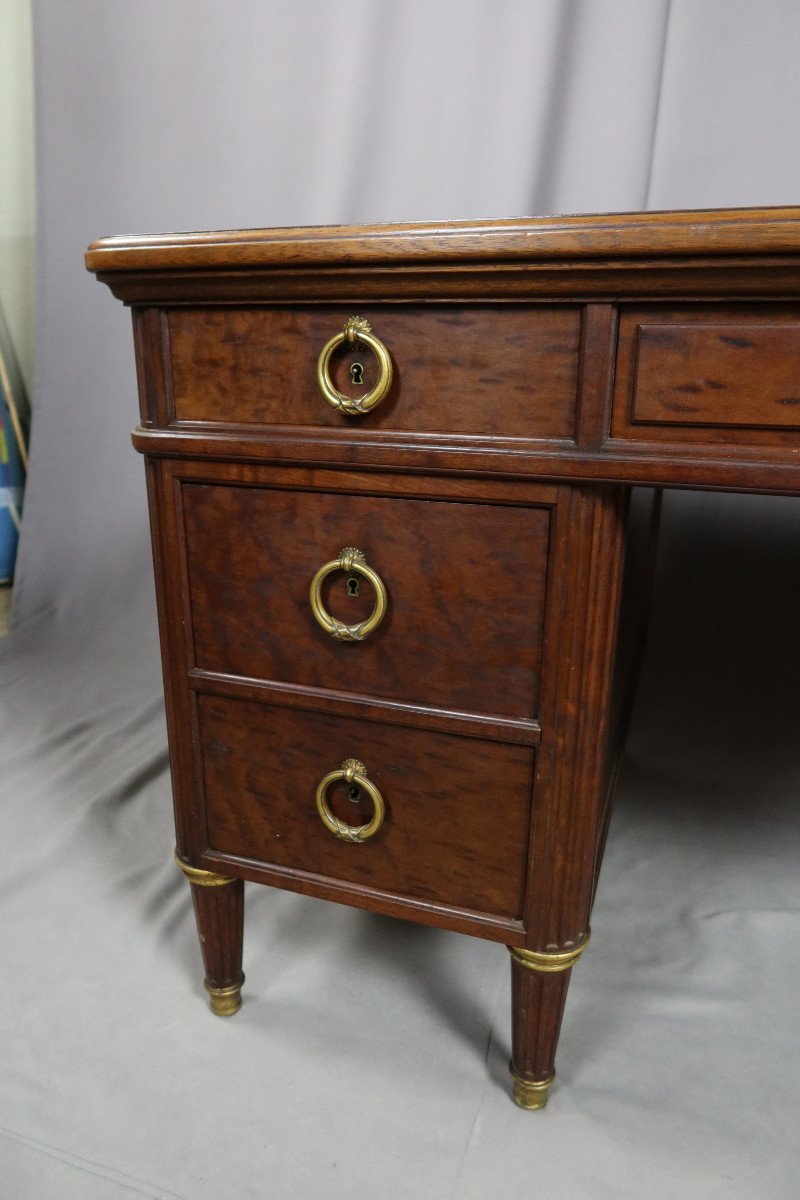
(529, 1094)
(225, 1001)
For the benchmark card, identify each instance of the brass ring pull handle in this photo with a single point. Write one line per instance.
(354, 773)
(356, 331)
(353, 562)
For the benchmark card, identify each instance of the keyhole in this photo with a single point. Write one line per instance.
(352, 587)
(355, 793)
(357, 373)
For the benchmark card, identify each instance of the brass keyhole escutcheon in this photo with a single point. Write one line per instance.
(352, 562)
(354, 774)
(356, 336)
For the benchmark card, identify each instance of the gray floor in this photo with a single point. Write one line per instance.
(370, 1056)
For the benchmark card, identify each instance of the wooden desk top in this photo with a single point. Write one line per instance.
(701, 233)
(687, 359)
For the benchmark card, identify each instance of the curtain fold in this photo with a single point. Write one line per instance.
(191, 115)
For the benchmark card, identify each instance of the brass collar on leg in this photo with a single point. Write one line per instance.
(549, 960)
(529, 1094)
(202, 878)
(225, 1001)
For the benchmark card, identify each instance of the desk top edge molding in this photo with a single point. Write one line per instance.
(745, 253)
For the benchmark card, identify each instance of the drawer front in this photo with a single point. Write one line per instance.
(457, 810)
(705, 374)
(465, 586)
(505, 370)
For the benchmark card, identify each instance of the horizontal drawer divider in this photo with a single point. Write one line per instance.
(518, 731)
(739, 468)
(425, 912)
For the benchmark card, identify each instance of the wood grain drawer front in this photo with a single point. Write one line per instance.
(708, 371)
(465, 584)
(457, 809)
(505, 370)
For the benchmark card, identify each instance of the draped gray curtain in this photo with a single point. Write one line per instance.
(161, 116)
(176, 115)
(370, 1056)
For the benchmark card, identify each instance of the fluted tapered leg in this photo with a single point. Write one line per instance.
(219, 912)
(539, 983)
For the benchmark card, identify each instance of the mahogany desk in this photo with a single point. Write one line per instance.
(389, 550)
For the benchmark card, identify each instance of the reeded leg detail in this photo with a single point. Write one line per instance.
(539, 983)
(218, 904)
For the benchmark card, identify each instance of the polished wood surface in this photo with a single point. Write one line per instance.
(542, 368)
(457, 809)
(716, 374)
(448, 567)
(538, 1000)
(258, 366)
(704, 232)
(219, 913)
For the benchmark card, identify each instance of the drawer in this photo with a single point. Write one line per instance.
(499, 369)
(457, 810)
(465, 585)
(705, 372)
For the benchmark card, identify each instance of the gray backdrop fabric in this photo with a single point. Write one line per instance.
(370, 1055)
